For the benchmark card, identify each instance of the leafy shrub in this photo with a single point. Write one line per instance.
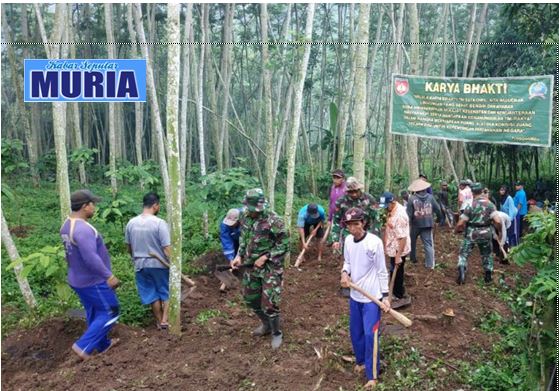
(12, 157)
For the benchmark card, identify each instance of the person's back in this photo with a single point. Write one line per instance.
(420, 210)
(146, 234)
(88, 259)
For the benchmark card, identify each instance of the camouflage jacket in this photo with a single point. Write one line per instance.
(343, 204)
(478, 215)
(265, 234)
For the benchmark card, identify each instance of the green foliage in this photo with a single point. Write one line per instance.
(83, 155)
(50, 265)
(205, 315)
(227, 189)
(526, 351)
(147, 173)
(12, 157)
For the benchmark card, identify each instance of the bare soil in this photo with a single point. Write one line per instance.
(219, 353)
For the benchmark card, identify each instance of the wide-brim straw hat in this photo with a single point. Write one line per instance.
(419, 185)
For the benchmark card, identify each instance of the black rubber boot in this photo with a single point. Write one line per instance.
(277, 335)
(488, 279)
(264, 328)
(461, 279)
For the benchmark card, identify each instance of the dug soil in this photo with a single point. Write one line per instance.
(216, 350)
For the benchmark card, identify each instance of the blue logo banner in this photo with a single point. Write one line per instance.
(106, 80)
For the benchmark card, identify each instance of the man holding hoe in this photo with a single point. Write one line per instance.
(364, 265)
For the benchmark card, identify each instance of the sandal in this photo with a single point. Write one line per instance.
(163, 326)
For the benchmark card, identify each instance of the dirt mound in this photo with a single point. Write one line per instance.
(216, 351)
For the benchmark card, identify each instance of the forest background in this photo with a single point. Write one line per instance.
(228, 117)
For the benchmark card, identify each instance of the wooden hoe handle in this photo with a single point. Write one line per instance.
(398, 316)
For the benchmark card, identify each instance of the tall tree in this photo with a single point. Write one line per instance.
(138, 106)
(112, 132)
(58, 108)
(411, 150)
(267, 80)
(152, 93)
(200, 105)
(18, 268)
(184, 134)
(175, 212)
(299, 82)
(75, 105)
(22, 110)
(360, 108)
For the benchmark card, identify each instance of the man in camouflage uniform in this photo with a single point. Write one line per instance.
(263, 244)
(354, 198)
(477, 218)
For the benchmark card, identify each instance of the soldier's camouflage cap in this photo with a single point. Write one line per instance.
(353, 183)
(255, 200)
(354, 214)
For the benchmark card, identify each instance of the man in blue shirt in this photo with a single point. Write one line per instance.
(229, 233)
(311, 216)
(522, 205)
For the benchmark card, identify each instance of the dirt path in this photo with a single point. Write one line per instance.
(219, 354)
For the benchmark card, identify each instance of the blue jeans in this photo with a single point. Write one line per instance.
(101, 311)
(426, 235)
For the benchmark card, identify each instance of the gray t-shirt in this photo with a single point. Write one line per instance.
(147, 234)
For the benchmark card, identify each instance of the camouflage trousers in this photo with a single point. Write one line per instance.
(262, 290)
(485, 250)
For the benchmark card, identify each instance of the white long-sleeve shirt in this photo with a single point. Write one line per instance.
(365, 264)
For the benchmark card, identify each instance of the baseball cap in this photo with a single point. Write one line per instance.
(232, 217)
(338, 173)
(519, 183)
(83, 196)
(385, 199)
(312, 211)
(354, 214)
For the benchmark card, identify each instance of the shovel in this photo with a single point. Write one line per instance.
(187, 280)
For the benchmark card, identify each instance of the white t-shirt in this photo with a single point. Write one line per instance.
(365, 264)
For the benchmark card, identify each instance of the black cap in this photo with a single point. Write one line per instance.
(312, 210)
(339, 173)
(519, 183)
(84, 196)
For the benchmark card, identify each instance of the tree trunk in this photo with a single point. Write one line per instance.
(22, 110)
(184, 100)
(175, 213)
(112, 132)
(267, 80)
(75, 106)
(154, 104)
(138, 106)
(226, 74)
(297, 105)
(14, 256)
(411, 151)
(58, 109)
(397, 29)
(469, 40)
(360, 109)
(199, 107)
(479, 29)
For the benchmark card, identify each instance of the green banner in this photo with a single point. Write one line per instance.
(501, 110)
